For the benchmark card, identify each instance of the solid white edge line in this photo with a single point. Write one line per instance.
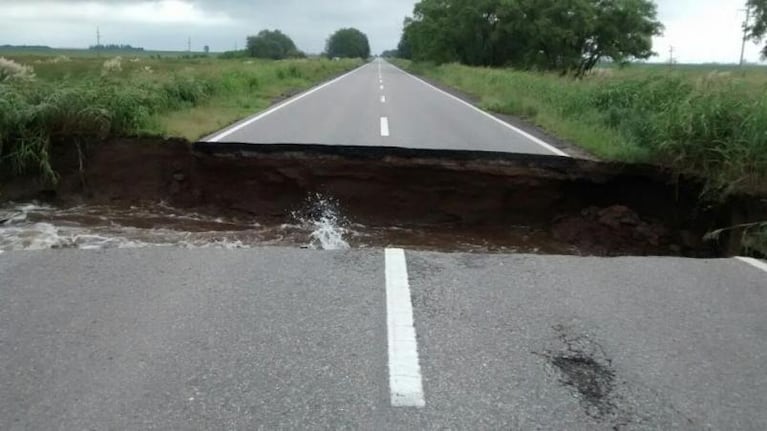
(249, 121)
(753, 262)
(530, 137)
(405, 383)
(384, 126)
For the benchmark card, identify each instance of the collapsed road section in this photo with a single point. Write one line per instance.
(430, 199)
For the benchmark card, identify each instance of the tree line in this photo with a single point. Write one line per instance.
(276, 45)
(757, 28)
(116, 47)
(569, 36)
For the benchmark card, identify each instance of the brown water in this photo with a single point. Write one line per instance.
(320, 225)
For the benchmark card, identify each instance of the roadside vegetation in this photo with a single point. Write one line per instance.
(695, 120)
(560, 65)
(51, 101)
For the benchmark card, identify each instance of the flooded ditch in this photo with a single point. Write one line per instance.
(146, 192)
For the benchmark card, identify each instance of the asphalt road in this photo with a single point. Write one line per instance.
(381, 105)
(274, 338)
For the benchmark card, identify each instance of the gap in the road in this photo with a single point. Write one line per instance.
(419, 199)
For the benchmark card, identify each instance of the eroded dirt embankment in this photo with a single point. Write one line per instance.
(446, 197)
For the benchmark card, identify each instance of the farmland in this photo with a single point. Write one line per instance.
(703, 120)
(53, 100)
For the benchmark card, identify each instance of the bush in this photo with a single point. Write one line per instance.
(82, 105)
(711, 124)
(112, 65)
(11, 70)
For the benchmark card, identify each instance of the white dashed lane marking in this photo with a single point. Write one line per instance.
(405, 382)
(384, 126)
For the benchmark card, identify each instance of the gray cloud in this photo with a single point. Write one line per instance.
(700, 30)
(308, 22)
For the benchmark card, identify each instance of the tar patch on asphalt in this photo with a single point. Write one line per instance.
(578, 362)
(592, 380)
(584, 367)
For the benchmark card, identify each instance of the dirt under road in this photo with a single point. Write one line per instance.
(420, 198)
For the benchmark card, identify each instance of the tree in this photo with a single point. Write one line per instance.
(348, 43)
(206, 49)
(403, 48)
(570, 36)
(273, 45)
(757, 28)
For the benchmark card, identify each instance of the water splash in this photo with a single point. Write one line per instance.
(328, 226)
(33, 226)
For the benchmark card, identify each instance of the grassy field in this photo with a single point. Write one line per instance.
(47, 101)
(696, 119)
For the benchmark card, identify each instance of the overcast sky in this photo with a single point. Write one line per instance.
(699, 30)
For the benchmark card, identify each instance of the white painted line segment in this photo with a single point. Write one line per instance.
(530, 137)
(754, 262)
(274, 109)
(405, 382)
(383, 99)
(384, 126)
(382, 87)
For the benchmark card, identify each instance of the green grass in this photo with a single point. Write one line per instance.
(694, 119)
(78, 101)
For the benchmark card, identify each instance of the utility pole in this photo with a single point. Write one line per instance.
(98, 41)
(671, 55)
(745, 36)
(189, 44)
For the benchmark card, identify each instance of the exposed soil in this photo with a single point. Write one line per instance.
(506, 201)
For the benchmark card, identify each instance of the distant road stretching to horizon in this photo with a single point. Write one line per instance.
(379, 104)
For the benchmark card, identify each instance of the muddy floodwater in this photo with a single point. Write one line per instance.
(151, 192)
(321, 225)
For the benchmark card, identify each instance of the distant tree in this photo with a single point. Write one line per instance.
(273, 45)
(392, 53)
(757, 28)
(403, 48)
(206, 49)
(115, 47)
(228, 55)
(571, 36)
(348, 43)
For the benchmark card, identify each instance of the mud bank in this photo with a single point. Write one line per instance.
(522, 202)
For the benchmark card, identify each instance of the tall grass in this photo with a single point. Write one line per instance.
(82, 101)
(703, 122)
